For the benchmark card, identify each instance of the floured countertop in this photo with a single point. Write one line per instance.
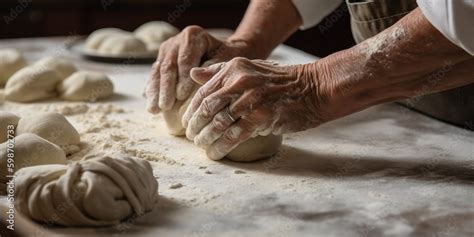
(386, 171)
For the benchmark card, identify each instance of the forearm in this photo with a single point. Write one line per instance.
(409, 59)
(266, 24)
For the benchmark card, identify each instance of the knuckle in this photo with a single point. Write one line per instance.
(239, 60)
(206, 107)
(219, 123)
(168, 64)
(185, 59)
(192, 30)
(230, 137)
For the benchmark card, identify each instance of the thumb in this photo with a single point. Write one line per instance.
(203, 74)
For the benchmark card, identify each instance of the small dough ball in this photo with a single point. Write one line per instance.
(7, 119)
(61, 66)
(122, 45)
(31, 83)
(11, 60)
(257, 148)
(30, 150)
(86, 86)
(154, 33)
(53, 127)
(96, 38)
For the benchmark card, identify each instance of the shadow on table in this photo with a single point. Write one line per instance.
(298, 162)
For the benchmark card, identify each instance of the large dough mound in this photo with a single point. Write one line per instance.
(154, 33)
(11, 61)
(97, 37)
(61, 66)
(122, 45)
(53, 127)
(30, 150)
(254, 149)
(7, 119)
(85, 86)
(100, 191)
(32, 83)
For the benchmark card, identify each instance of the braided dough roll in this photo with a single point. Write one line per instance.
(100, 191)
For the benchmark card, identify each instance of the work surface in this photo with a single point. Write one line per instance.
(386, 171)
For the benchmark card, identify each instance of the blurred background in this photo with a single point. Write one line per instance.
(43, 18)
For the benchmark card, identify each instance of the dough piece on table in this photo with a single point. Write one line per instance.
(30, 150)
(32, 83)
(254, 149)
(61, 66)
(122, 45)
(7, 119)
(86, 86)
(103, 190)
(97, 37)
(53, 127)
(11, 60)
(154, 33)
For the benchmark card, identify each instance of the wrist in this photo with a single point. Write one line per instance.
(247, 47)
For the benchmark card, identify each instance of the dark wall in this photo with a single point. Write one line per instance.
(34, 18)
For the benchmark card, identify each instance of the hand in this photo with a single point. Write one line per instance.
(245, 98)
(192, 47)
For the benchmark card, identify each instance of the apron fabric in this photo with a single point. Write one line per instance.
(370, 17)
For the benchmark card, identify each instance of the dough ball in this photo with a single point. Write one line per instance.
(7, 119)
(53, 127)
(30, 150)
(105, 190)
(257, 148)
(61, 66)
(154, 33)
(31, 83)
(86, 86)
(174, 116)
(96, 38)
(122, 45)
(11, 60)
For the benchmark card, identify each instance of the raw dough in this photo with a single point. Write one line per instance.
(30, 150)
(252, 150)
(61, 66)
(86, 86)
(7, 119)
(257, 148)
(97, 37)
(32, 83)
(11, 60)
(122, 45)
(154, 33)
(103, 190)
(53, 127)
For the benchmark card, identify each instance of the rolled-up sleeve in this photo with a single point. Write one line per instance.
(313, 11)
(453, 18)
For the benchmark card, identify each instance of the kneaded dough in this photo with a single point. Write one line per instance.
(97, 37)
(154, 33)
(254, 149)
(122, 45)
(61, 66)
(30, 150)
(104, 191)
(53, 127)
(7, 119)
(32, 83)
(11, 60)
(86, 86)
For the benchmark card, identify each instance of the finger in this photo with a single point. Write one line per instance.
(214, 130)
(153, 88)
(209, 107)
(201, 75)
(201, 93)
(190, 54)
(232, 137)
(168, 76)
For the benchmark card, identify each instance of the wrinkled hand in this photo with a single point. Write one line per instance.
(170, 80)
(262, 97)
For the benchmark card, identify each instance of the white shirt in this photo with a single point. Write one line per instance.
(453, 18)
